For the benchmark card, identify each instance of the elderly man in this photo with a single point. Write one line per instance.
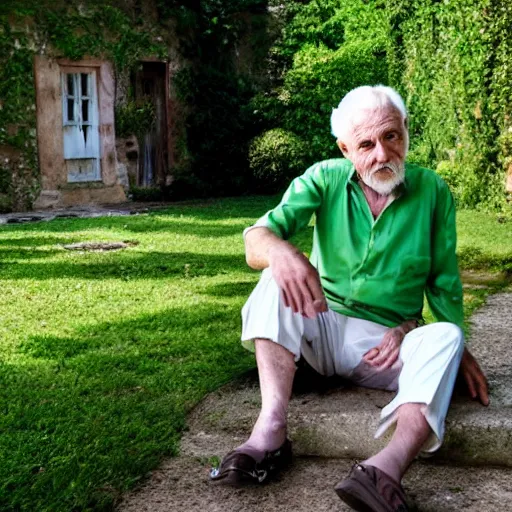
(384, 237)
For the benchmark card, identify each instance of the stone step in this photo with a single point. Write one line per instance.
(341, 424)
(182, 484)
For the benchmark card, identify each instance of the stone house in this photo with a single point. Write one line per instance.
(79, 159)
(70, 73)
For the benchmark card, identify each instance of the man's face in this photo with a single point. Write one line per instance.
(377, 145)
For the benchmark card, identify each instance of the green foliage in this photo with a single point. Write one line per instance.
(97, 29)
(134, 118)
(146, 194)
(219, 124)
(326, 49)
(276, 156)
(448, 60)
(316, 83)
(218, 132)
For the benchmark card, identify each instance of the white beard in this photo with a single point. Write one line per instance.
(385, 187)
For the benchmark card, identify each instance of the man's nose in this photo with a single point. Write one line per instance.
(381, 153)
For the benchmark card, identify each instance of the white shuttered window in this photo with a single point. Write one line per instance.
(81, 126)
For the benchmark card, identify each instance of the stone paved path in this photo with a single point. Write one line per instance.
(332, 428)
(129, 208)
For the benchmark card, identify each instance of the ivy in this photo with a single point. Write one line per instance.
(69, 30)
(449, 60)
(325, 49)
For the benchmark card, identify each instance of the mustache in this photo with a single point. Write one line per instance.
(396, 169)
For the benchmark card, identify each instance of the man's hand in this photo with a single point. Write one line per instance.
(297, 279)
(386, 354)
(474, 377)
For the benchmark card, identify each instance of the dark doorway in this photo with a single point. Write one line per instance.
(151, 86)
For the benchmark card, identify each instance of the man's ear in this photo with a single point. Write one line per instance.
(343, 147)
(406, 123)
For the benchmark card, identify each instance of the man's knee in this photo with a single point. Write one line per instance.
(448, 334)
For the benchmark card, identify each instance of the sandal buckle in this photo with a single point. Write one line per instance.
(261, 475)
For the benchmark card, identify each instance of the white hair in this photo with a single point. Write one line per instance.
(361, 98)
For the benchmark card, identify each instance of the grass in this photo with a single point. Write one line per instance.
(103, 353)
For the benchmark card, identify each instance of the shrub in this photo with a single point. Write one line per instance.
(325, 50)
(451, 62)
(320, 77)
(449, 172)
(276, 156)
(134, 119)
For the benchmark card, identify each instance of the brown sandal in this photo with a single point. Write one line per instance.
(238, 468)
(368, 489)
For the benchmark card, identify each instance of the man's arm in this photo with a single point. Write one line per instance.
(297, 279)
(444, 288)
(266, 244)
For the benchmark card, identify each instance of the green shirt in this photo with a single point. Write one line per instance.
(377, 269)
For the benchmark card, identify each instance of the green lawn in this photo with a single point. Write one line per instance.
(103, 353)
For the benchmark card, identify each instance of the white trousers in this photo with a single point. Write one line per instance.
(335, 344)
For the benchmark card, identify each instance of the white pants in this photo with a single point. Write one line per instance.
(335, 344)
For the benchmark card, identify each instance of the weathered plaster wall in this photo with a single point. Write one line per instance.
(56, 191)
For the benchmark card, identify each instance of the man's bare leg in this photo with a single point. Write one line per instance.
(276, 368)
(412, 430)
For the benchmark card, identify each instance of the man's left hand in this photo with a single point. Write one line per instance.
(474, 377)
(386, 354)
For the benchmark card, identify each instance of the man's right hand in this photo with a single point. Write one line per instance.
(297, 279)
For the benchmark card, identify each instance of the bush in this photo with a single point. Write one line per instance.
(450, 174)
(327, 49)
(276, 157)
(315, 85)
(451, 61)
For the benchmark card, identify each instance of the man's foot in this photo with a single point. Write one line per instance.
(238, 468)
(368, 489)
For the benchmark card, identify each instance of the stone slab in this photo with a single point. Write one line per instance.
(182, 484)
(90, 211)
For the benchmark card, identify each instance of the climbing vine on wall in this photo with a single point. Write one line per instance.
(71, 30)
(449, 59)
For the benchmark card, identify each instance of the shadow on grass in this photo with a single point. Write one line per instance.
(28, 242)
(235, 289)
(127, 265)
(85, 416)
(145, 224)
(25, 254)
(167, 336)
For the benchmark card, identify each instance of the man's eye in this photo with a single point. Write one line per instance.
(366, 144)
(391, 136)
